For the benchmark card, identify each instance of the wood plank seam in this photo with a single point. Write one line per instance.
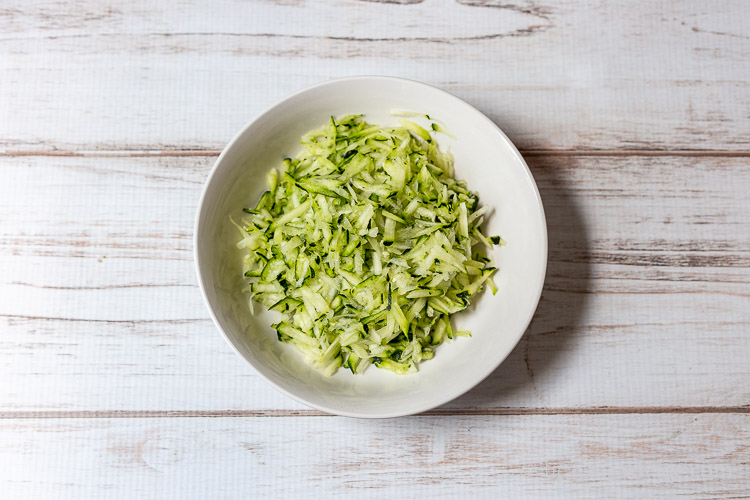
(600, 410)
(137, 153)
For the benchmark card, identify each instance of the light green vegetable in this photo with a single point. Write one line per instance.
(364, 244)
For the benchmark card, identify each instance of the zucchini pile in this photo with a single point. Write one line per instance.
(365, 244)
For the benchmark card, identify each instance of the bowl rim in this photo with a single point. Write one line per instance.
(471, 109)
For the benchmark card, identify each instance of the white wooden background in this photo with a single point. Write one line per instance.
(634, 378)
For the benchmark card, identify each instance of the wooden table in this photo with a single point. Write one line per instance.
(634, 378)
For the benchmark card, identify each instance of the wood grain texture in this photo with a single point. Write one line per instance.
(635, 456)
(633, 379)
(576, 75)
(646, 304)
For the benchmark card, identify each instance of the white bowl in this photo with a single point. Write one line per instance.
(488, 161)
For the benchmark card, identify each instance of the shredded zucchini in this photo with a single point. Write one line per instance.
(365, 243)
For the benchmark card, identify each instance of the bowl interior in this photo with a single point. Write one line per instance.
(483, 156)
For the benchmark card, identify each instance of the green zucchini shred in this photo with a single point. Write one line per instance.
(366, 245)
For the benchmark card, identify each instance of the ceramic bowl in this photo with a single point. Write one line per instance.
(484, 157)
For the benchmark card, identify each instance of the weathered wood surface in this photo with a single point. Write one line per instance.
(579, 74)
(543, 456)
(633, 379)
(647, 300)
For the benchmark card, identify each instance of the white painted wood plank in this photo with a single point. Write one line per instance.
(580, 74)
(647, 301)
(549, 456)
